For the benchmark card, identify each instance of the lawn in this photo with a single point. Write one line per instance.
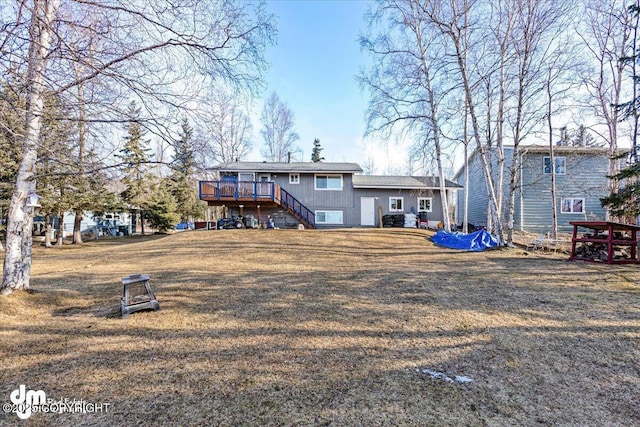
(343, 328)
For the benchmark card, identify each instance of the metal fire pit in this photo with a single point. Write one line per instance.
(137, 295)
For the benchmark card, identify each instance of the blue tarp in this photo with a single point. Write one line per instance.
(476, 241)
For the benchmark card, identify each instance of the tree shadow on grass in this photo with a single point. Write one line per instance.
(339, 345)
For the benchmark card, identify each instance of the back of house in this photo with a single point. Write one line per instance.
(318, 194)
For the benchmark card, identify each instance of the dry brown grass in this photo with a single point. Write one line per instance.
(287, 327)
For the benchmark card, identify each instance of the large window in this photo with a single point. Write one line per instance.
(245, 176)
(572, 205)
(561, 165)
(328, 217)
(294, 178)
(329, 182)
(424, 204)
(396, 204)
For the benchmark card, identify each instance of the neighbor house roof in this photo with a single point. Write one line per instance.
(300, 167)
(561, 150)
(402, 182)
(564, 149)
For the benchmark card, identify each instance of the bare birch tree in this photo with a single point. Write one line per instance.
(278, 129)
(227, 128)
(452, 19)
(408, 82)
(161, 53)
(606, 34)
(535, 42)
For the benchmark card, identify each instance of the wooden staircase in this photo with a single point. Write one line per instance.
(297, 209)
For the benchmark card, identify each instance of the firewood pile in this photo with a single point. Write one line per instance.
(598, 252)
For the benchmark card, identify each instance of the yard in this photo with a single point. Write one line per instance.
(356, 327)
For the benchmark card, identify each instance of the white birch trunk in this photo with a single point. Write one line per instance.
(552, 161)
(17, 260)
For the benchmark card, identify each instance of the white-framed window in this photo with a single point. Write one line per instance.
(396, 204)
(424, 204)
(243, 176)
(294, 178)
(329, 217)
(329, 182)
(572, 205)
(561, 165)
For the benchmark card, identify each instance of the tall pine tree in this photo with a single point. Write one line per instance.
(56, 174)
(315, 154)
(182, 182)
(10, 155)
(135, 158)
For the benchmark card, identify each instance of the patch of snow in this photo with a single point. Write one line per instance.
(460, 379)
(463, 379)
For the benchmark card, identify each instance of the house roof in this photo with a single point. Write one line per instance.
(304, 167)
(403, 182)
(434, 182)
(386, 181)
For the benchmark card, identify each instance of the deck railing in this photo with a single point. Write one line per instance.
(234, 190)
(256, 190)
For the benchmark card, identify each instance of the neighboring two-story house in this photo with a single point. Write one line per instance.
(319, 195)
(581, 180)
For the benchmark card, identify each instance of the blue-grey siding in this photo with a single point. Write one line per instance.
(478, 193)
(585, 178)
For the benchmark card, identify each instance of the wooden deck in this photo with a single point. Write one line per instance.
(255, 192)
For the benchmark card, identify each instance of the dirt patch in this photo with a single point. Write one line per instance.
(352, 327)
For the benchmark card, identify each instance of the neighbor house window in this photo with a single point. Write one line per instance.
(245, 177)
(294, 178)
(396, 204)
(329, 182)
(561, 165)
(329, 217)
(572, 205)
(424, 204)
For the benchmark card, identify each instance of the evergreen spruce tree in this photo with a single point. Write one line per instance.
(55, 184)
(183, 169)
(161, 210)
(10, 154)
(625, 203)
(135, 157)
(315, 154)
(582, 138)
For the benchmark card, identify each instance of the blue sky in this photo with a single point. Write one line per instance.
(313, 69)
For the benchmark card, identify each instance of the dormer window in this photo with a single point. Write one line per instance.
(561, 165)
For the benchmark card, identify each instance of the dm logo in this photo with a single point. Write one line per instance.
(25, 401)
